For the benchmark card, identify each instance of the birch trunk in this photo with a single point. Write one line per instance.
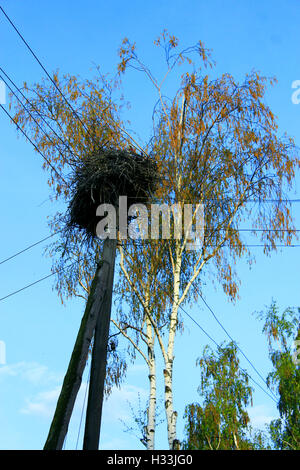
(148, 338)
(151, 412)
(168, 371)
(150, 431)
(171, 415)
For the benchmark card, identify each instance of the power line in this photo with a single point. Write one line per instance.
(36, 282)
(33, 144)
(44, 69)
(258, 229)
(228, 199)
(136, 145)
(29, 247)
(246, 245)
(211, 338)
(180, 306)
(231, 338)
(83, 405)
(223, 245)
(216, 344)
(220, 348)
(56, 86)
(32, 117)
(37, 111)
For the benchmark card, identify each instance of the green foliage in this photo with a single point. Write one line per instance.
(282, 330)
(221, 422)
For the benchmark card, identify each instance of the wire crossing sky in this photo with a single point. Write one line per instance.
(37, 330)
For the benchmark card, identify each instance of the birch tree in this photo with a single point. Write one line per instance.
(221, 421)
(215, 143)
(146, 318)
(283, 333)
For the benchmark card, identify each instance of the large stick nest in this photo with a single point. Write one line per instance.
(102, 178)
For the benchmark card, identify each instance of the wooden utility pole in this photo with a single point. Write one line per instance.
(96, 304)
(110, 173)
(99, 357)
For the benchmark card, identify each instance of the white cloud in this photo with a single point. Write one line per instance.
(43, 404)
(44, 391)
(32, 372)
(37, 376)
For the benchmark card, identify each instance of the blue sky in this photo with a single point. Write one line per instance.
(38, 331)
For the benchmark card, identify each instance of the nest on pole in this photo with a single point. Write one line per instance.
(104, 176)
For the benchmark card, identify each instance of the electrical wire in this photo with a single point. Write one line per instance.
(218, 346)
(83, 404)
(34, 120)
(246, 245)
(29, 247)
(231, 338)
(33, 144)
(55, 84)
(38, 281)
(37, 111)
(59, 90)
(180, 306)
(211, 338)
(228, 199)
(44, 69)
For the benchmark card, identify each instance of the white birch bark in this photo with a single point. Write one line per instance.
(149, 356)
(151, 415)
(171, 414)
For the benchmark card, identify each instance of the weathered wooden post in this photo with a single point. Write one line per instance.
(100, 178)
(73, 377)
(99, 357)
